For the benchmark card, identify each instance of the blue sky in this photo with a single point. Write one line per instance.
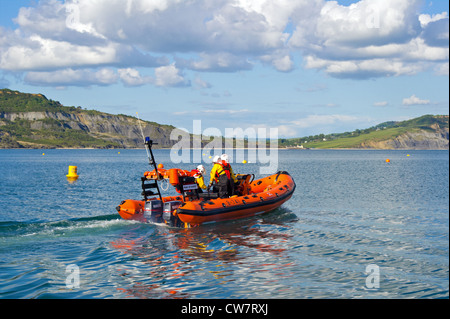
(304, 67)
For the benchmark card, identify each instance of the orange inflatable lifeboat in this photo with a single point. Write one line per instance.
(191, 208)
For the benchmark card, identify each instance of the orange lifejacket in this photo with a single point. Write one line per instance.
(195, 173)
(198, 178)
(225, 168)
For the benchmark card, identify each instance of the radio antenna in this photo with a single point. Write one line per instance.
(143, 137)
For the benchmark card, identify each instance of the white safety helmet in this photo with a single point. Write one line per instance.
(224, 158)
(216, 159)
(201, 169)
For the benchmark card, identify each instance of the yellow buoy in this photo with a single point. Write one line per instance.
(407, 154)
(244, 162)
(72, 174)
(388, 160)
(43, 153)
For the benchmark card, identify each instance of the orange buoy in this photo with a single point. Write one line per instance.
(388, 160)
(160, 165)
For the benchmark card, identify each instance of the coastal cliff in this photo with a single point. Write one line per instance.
(116, 131)
(33, 121)
(438, 139)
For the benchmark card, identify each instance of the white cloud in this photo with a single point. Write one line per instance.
(435, 29)
(287, 131)
(37, 53)
(66, 77)
(45, 18)
(367, 22)
(131, 77)
(317, 120)
(169, 76)
(282, 63)
(201, 84)
(369, 38)
(381, 103)
(217, 62)
(414, 100)
(425, 19)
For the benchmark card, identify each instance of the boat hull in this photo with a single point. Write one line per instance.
(194, 217)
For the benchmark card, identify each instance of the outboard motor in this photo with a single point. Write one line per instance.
(168, 213)
(153, 211)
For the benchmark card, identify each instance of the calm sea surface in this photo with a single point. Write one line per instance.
(356, 227)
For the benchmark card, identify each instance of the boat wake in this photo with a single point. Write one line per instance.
(12, 230)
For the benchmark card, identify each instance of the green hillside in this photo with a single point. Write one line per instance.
(387, 131)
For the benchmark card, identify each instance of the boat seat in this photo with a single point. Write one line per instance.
(243, 184)
(188, 188)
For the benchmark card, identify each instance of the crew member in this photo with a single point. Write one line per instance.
(198, 175)
(226, 162)
(223, 173)
(214, 178)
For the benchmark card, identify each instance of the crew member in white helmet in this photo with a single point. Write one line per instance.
(198, 175)
(223, 174)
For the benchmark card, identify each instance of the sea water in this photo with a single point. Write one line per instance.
(356, 227)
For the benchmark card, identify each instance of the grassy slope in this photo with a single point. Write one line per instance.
(356, 141)
(382, 132)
